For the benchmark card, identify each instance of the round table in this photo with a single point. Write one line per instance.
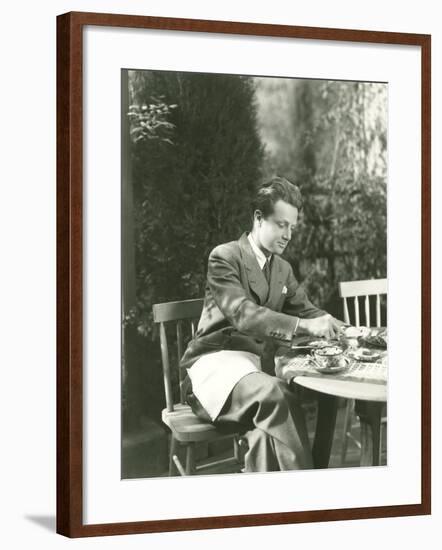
(370, 399)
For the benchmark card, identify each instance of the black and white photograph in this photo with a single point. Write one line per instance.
(220, 242)
(254, 274)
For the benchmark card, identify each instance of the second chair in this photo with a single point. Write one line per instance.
(353, 291)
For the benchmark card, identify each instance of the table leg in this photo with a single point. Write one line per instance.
(370, 413)
(325, 428)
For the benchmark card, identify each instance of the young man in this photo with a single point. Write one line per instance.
(252, 298)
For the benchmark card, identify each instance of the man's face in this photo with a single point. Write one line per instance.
(275, 231)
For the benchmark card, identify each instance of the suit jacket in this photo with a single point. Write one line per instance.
(241, 310)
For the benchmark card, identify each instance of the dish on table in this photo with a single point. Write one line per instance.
(310, 343)
(317, 344)
(364, 355)
(341, 364)
(376, 340)
(329, 357)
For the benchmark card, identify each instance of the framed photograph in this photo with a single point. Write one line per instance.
(243, 212)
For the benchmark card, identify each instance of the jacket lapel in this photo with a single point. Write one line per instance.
(255, 276)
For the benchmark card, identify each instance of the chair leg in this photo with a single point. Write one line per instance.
(190, 458)
(173, 445)
(347, 427)
(370, 413)
(174, 461)
(239, 449)
(236, 450)
(383, 431)
(178, 465)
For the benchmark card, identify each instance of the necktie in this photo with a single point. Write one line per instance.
(266, 270)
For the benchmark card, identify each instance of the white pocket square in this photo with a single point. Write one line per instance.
(284, 290)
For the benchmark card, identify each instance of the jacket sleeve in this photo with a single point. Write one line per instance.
(236, 304)
(297, 302)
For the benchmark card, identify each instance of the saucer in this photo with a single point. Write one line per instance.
(345, 362)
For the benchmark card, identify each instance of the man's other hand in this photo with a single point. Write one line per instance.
(325, 326)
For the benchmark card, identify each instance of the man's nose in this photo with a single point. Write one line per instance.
(287, 234)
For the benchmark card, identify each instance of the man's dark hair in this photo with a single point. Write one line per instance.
(276, 189)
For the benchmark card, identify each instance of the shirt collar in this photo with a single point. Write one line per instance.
(260, 256)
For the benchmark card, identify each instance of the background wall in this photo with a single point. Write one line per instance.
(27, 320)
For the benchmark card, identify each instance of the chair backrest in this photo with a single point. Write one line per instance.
(356, 289)
(180, 313)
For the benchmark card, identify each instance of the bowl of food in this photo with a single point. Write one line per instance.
(329, 358)
(376, 339)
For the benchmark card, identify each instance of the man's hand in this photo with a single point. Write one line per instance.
(325, 326)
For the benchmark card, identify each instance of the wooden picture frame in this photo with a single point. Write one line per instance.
(70, 271)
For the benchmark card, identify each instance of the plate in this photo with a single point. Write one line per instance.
(317, 344)
(332, 370)
(310, 343)
(364, 355)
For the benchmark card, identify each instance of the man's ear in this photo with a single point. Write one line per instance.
(257, 215)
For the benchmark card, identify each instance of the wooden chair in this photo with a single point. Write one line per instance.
(351, 292)
(186, 429)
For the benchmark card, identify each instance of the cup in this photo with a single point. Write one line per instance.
(329, 357)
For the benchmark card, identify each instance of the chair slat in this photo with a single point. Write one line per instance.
(180, 346)
(346, 314)
(179, 338)
(378, 310)
(166, 368)
(367, 311)
(357, 311)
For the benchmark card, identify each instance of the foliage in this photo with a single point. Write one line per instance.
(190, 186)
(196, 158)
(331, 140)
(150, 121)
